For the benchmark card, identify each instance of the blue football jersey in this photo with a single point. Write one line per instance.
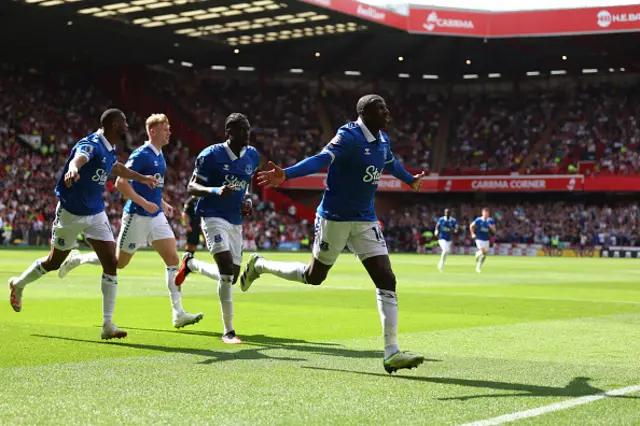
(84, 197)
(147, 160)
(483, 228)
(445, 227)
(217, 165)
(358, 159)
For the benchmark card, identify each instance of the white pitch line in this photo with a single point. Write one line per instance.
(553, 407)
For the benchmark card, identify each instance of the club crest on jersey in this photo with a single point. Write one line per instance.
(367, 151)
(225, 167)
(372, 175)
(248, 169)
(155, 163)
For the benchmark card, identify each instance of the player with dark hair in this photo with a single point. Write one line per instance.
(81, 210)
(444, 228)
(192, 222)
(356, 158)
(222, 176)
(480, 229)
(144, 219)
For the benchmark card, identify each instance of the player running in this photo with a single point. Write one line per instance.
(81, 210)
(192, 222)
(222, 176)
(480, 229)
(144, 219)
(445, 226)
(356, 157)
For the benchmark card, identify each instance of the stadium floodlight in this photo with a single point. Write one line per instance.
(400, 59)
(352, 73)
(207, 16)
(132, 9)
(305, 14)
(558, 72)
(89, 11)
(237, 23)
(468, 62)
(262, 2)
(429, 77)
(186, 64)
(193, 12)
(106, 13)
(171, 61)
(564, 57)
(240, 5)
(148, 25)
(159, 5)
(317, 54)
(495, 75)
(296, 71)
(470, 76)
(243, 68)
(255, 9)
(231, 13)
(611, 70)
(218, 9)
(51, 3)
(319, 18)
(34, 1)
(180, 20)
(533, 73)
(589, 71)
(115, 6)
(142, 2)
(296, 21)
(403, 75)
(141, 21)
(622, 69)
(165, 17)
(218, 67)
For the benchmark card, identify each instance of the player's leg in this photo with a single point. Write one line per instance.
(191, 264)
(164, 242)
(330, 239)
(63, 236)
(193, 236)
(445, 247)
(481, 254)
(367, 242)
(99, 236)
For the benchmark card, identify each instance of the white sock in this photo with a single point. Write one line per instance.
(90, 258)
(388, 309)
(109, 290)
(226, 301)
(207, 269)
(32, 273)
(481, 260)
(174, 290)
(443, 257)
(291, 271)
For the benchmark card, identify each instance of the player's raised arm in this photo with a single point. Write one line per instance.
(120, 170)
(73, 173)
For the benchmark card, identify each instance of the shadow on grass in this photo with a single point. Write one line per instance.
(577, 387)
(257, 345)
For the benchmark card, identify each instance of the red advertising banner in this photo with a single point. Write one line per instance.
(450, 22)
(612, 183)
(569, 21)
(534, 183)
(540, 183)
(363, 11)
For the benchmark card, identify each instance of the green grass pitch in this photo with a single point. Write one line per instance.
(526, 333)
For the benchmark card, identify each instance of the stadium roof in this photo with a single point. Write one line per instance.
(273, 36)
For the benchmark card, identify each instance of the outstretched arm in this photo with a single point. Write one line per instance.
(397, 170)
(122, 171)
(73, 173)
(309, 165)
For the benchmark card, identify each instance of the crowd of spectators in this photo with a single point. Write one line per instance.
(526, 223)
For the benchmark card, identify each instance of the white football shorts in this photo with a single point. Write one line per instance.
(483, 244)
(364, 239)
(223, 236)
(445, 245)
(137, 230)
(67, 226)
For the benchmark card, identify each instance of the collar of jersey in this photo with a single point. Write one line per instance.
(104, 140)
(231, 154)
(366, 132)
(153, 148)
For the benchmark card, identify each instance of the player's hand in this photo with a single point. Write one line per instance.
(417, 181)
(189, 228)
(247, 208)
(150, 207)
(150, 181)
(473, 236)
(71, 176)
(169, 210)
(273, 177)
(227, 190)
